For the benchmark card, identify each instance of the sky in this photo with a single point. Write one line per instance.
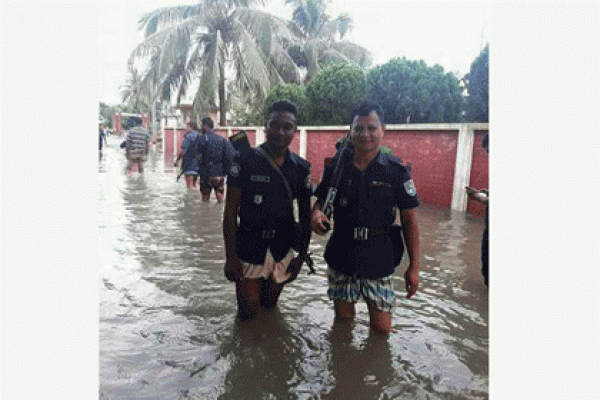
(448, 33)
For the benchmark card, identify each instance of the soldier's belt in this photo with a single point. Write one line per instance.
(265, 234)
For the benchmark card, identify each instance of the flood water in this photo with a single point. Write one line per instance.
(168, 327)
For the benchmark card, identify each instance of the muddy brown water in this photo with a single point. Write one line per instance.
(168, 326)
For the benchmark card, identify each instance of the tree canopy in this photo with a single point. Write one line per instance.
(411, 91)
(319, 38)
(236, 58)
(334, 92)
(294, 93)
(214, 41)
(478, 88)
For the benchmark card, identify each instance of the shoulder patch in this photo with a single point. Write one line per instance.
(235, 169)
(409, 186)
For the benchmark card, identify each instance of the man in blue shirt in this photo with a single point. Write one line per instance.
(261, 185)
(360, 252)
(215, 154)
(190, 166)
(102, 135)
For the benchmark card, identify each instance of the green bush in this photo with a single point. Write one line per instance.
(290, 92)
(333, 93)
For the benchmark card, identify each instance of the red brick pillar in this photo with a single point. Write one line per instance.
(146, 121)
(117, 127)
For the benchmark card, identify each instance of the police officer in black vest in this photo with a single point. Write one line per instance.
(261, 186)
(360, 252)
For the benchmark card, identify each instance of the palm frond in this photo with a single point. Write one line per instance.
(358, 54)
(333, 56)
(233, 4)
(285, 66)
(312, 50)
(344, 24)
(173, 78)
(211, 73)
(249, 61)
(167, 16)
(163, 38)
(196, 62)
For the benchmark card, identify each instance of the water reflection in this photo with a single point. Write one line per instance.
(168, 326)
(263, 355)
(358, 370)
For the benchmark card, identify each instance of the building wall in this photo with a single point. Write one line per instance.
(429, 149)
(118, 123)
(431, 155)
(321, 145)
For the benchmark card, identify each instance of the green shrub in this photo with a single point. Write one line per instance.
(293, 93)
(333, 93)
(406, 88)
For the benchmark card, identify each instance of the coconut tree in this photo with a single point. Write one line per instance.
(321, 37)
(213, 45)
(133, 92)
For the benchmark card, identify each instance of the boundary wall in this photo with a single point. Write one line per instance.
(444, 158)
(117, 121)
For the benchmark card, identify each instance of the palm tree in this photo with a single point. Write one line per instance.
(210, 43)
(133, 92)
(321, 37)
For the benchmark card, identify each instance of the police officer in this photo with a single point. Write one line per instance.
(360, 252)
(190, 166)
(215, 154)
(259, 254)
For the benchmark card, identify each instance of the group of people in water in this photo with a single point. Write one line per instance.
(205, 159)
(265, 247)
(363, 194)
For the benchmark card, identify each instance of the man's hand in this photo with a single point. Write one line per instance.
(480, 196)
(294, 268)
(317, 220)
(470, 191)
(411, 278)
(233, 270)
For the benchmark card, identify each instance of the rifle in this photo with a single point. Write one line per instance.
(240, 141)
(179, 164)
(334, 185)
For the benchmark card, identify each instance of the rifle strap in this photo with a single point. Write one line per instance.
(274, 165)
(276, 168)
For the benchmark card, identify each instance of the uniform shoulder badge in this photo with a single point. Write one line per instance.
(234, 170)
(409, 186)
